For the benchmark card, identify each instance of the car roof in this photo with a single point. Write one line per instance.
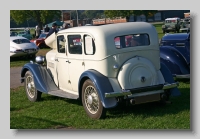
(113, 29)
(172, 18)
(176, 36)
(17, 37)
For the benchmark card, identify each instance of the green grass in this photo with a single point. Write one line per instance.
(61, 113)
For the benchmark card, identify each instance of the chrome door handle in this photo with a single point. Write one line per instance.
(56, 59)
(68, 61)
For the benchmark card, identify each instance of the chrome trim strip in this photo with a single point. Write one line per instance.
(127, 92)
(186, 76)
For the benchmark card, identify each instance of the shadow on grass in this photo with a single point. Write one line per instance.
(50, 97)
(29, 120)
(179, 103)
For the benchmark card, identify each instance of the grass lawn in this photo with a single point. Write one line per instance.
(54, 113)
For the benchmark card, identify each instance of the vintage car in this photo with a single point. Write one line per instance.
(21, 46)
(175, 53)
(185, 25)
(100, 72)
(171, 25)
(40, 41)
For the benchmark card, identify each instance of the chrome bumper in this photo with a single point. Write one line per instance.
(130, 92)
(186, 76)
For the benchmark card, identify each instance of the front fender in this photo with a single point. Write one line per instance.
(102, 85)
(42, 80)
(174, 60)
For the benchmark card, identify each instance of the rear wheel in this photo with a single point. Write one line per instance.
(91, 101)
(32, 93)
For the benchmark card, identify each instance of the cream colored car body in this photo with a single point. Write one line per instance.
(111, 62)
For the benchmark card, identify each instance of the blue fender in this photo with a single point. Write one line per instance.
(168, 78)
(40, 76)
(174, 60)
(102, 85)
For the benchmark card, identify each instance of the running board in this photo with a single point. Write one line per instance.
(63, 94)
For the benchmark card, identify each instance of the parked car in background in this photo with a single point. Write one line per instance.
(21, 46)
(175, 53)
(171, 25)
(185, 25)
(13, 33)
(100, 72)
(24, 34)
(40, 41)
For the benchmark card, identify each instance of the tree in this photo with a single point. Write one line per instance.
(40, 16)
(128, 13)
(119, 13)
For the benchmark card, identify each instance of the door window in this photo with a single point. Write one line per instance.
(61, 44)
(74, 44)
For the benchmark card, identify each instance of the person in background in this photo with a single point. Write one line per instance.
(52, 30)
(37, 32)
(46, 28)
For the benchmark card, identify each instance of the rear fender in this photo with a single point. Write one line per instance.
(168, 78)
(102, 85)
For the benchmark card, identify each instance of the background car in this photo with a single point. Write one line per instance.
(171, 24)
(40, 41)
(175, 53)
(25, 34)
(21, 46)
(185, 25)
(13, 33)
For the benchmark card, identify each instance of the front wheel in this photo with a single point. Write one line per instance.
(32, 93)
(91, 101)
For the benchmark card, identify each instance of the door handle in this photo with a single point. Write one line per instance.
(56, 59)
(68, 61)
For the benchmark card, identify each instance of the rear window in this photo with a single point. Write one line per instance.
(21, 41)
(131, 40)
(170, 21)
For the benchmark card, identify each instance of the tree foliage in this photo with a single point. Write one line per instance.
(40, 16)
(128, 13)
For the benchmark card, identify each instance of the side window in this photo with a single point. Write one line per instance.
(61, 44)
(131, 40)
(74, 44)
(89, 45)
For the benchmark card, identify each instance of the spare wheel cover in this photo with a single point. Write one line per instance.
(137, 72)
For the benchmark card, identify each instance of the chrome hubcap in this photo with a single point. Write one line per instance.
(30, 87)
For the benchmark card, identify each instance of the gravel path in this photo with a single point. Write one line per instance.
(15, 77)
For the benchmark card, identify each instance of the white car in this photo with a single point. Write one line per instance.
(21, 46)
(99, 71)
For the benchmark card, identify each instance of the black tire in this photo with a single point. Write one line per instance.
(91, 101)
(31, 92)
(164, 31)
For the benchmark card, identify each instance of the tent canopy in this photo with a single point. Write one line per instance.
(59, 23)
